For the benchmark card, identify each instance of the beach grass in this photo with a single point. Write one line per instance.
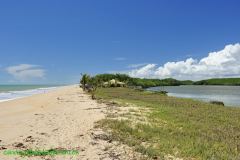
(50, 152)
(164, 126)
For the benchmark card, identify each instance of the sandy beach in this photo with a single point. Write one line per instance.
(61, 119)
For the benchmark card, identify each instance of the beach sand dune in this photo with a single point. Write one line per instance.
(60, 119)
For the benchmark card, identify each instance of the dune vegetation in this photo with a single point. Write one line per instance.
(160, 126)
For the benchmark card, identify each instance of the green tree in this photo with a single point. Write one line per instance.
(85, 80)
(94, 82)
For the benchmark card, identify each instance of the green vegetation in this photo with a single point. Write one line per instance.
(219, 81)
(90, 84)
(84, 80)
(145, 83)
(95, 83)
(51, 152)
(163, 125)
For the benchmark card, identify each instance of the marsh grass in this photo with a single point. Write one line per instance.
(180, 127)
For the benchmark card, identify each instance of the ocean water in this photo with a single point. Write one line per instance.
(230, 95)
(10, 92)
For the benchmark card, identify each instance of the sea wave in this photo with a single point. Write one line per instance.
(11, 95)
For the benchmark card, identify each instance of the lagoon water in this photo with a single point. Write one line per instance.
(230, 95)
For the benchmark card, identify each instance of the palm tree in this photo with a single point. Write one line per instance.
(85, 79)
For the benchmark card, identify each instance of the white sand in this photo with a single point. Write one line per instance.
(63, 118)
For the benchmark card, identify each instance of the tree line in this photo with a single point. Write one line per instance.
(91, 83)
(99, 79)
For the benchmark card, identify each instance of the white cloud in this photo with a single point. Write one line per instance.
(144, 72)
(223, 63)
(136, 65)
(26, 71)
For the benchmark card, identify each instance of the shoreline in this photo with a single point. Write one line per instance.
(67, 119)
(26, 93)
(61, 119)
(47, 121)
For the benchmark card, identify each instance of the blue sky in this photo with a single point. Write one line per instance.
(53, 41)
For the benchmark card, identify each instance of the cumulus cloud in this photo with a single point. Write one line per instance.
(144, 72)
(223, 63)
(26, 71)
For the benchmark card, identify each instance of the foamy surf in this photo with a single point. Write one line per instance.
(11, 95)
